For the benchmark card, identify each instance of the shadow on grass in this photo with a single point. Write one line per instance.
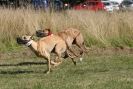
(16, 72)
(22, 71)
(24, 64)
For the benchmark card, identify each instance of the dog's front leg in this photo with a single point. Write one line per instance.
(53, 63)
(47, 56)
(58, 61)
(49, 66)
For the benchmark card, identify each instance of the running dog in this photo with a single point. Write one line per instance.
(45, 46)
(70, 36)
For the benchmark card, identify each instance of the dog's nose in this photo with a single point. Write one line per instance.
(37, 32)
(18, 39)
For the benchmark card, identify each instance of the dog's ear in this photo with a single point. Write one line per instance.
(48, 29)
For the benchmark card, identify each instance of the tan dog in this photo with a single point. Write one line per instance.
(45, 46)
(70, 36)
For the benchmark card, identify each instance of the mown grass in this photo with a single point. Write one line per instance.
(100, 29)
(94, 72)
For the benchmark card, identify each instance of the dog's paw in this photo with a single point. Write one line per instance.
(47, 72)
(57, 64)
(81, 59)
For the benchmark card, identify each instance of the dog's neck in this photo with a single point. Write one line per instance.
(32, 44)
(29, 43)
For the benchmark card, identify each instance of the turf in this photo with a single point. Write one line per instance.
(94, 72)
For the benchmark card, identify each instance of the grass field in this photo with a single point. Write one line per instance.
(101, 69)
(97, 71)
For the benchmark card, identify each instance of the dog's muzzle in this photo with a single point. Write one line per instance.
(21, 41)
(40, 33)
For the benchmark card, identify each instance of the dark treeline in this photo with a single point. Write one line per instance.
(17, 3)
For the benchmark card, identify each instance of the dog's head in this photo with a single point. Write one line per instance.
(43, 33)
(24, 39)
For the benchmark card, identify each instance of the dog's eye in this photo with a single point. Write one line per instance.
(24, 37)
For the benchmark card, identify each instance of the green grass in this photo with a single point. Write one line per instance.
(94, 72)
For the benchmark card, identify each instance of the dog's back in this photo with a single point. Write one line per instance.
(72, 32)
(50, 42)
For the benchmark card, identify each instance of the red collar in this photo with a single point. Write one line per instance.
(49, 33)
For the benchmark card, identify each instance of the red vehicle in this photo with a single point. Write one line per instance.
(94, 5)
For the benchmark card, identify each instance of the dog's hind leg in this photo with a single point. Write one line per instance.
(58, 59)
(73, 61)
(69, 42)
(80, 43)
(59, 49)
(58, 62)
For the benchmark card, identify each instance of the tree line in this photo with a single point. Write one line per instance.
(17, 3)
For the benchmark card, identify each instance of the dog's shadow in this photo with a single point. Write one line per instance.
(21, 71)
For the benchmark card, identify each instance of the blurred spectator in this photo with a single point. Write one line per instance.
(40, 4)
(58, 5)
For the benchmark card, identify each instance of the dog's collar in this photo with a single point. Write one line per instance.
(29, 43)
(50, 33)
